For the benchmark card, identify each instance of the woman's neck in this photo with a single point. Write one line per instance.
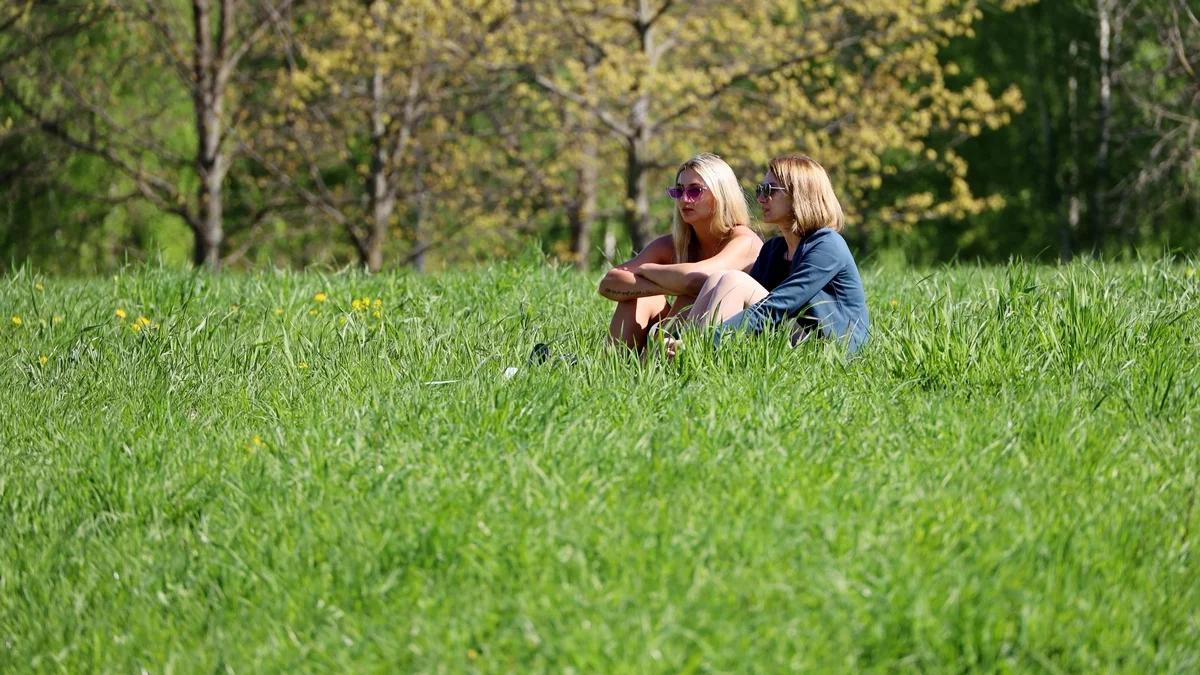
(704, 234)
(792, 238)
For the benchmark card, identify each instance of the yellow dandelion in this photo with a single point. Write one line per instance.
(43, 360)
(120, 314)
(144, 322)
(377, 314)
(135, 327)
(895, 303)
(16, 321)
(356, 305)
(378, 303)
(472, 654)
(313, 312)
(278, 311)
(39, 287)
(320, 297)
(303, 365)
(57, 319)
(234, 308)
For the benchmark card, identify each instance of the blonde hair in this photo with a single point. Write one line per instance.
(814, 205)
(730, 211)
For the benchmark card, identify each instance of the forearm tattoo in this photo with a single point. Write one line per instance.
(624, 293)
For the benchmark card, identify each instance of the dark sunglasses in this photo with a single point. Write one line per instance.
(765, 190)
(690, 193)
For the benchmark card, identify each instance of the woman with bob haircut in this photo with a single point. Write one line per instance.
(710, 233)
(806, 275)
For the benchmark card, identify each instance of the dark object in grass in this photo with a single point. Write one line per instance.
(541, 353)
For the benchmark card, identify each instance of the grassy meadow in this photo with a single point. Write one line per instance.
(304, 471)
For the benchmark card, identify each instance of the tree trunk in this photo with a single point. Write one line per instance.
(208, 101)
(381, 193)
(583, 212)
(207, 248)
(1071, 224)
(637, 202)
(637, 199)
(419, 231)
(420, 240)
(1098, 204)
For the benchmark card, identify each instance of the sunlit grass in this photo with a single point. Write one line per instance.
(332, 471)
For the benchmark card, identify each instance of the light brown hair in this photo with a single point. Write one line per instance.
(814, 204)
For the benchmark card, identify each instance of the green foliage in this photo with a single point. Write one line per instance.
(71, 211)
(1147, 197)
(265, 475)
(435, 134)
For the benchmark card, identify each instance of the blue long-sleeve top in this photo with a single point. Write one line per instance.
(820, 288)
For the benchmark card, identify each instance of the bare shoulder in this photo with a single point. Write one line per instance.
(661, 247)
(744, 237)
(660, 250)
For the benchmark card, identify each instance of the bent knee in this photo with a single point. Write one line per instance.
(717, 278)
(641, 310)
(732, 278)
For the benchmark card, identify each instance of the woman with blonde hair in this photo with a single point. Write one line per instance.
(805, 279)
(710, 234)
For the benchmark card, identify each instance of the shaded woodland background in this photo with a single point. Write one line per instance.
(430, 134)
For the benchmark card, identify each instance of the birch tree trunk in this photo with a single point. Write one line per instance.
(381, 191)
(208, 95)
(1098, 206)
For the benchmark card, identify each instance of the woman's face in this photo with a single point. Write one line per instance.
(775, 201)
(694, 208)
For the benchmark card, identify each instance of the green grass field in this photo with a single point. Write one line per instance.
(252, 480)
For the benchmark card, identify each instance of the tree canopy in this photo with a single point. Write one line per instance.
(427, 133)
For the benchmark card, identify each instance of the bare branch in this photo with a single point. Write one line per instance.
(229, 61)
(154, 188)
(168, 41)
(604, 116)
(658, 14)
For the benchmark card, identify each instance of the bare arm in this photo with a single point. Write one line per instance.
(687, 278)
(676, 278)
(623, 283)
